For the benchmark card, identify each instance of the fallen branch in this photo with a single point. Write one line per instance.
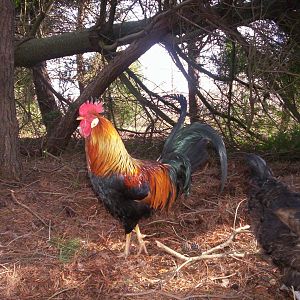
(207, 254)
(230, 239)
(27, 208)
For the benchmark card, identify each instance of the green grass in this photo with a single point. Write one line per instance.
(67, 248)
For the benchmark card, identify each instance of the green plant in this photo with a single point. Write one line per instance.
(67, 248)
(283, 142)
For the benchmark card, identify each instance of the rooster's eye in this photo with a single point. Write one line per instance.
(94, 122)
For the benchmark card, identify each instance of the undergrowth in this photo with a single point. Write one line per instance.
(283, 144)
(67, 248)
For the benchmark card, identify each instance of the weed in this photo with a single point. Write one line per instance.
(67, 248)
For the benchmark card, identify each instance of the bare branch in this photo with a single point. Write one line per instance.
(43, 13)
(207, 254)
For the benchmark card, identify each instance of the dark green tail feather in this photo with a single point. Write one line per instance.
(191, 142)
(183, 107)
(186, 148)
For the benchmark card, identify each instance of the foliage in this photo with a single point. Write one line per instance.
(67, 248)
(124, 108)
(283, 142)
(17, 3)
(232, 60)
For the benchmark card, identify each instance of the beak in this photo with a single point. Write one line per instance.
(79, 118)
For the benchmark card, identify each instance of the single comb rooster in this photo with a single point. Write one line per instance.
(131, 188)
(275, 215)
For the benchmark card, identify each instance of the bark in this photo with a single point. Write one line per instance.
(193, 84)
(51, 114)
(32, 51)
(10, 165)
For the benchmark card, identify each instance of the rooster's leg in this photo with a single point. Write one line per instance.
(127, 244)
(140, 237)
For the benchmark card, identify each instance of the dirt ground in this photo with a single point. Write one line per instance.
(64, 245)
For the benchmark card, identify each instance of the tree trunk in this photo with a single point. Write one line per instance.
(10, 165)
(51, 114)
(193, 84)
(79, 57)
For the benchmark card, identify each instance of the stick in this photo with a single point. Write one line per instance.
(51, 155)
(207, 254)
(195, 258)
(236, 211)
(27, 208)
(230, 239)
(171, 251)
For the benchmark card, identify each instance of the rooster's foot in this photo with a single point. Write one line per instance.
(140, 238)
(127, 246)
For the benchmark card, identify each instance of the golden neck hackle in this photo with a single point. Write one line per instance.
(106, 153)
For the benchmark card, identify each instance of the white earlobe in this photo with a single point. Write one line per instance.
(94, 122)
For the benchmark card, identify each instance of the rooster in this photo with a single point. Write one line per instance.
(275, 215)
(130, 188)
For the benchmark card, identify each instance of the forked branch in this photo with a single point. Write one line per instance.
(209, 254)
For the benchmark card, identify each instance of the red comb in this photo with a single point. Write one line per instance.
(89, 108)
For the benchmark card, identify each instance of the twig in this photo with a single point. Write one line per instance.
(207, 254)
(138, 294)
(195, 258)
(51, 155)
(230, 239)
(223, 277)
(15, 239)
(27, 208)
(161, 221)
(166, 294)
(49, 231)
(171, 251)
(236, 211)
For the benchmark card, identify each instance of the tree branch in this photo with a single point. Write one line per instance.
(40, 18)
(31, 51)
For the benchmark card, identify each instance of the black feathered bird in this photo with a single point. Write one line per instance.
(275, 216)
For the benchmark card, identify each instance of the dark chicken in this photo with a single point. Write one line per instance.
(275, 215)
(131, 188)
